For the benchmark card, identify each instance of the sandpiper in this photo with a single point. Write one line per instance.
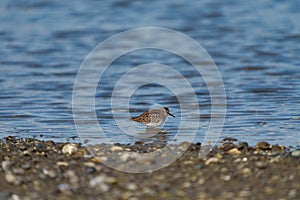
(153, 117)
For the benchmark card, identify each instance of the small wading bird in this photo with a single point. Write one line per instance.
(153, 117)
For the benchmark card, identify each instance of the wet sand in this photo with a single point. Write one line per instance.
(35, 169)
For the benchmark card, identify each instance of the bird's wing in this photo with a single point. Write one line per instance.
(143, 118)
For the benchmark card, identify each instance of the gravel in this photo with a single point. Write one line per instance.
(35, 169)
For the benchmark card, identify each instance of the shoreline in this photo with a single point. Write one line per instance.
(36, 169)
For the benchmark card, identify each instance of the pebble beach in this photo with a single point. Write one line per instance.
(36, 169)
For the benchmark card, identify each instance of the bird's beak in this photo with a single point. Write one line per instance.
(171, 115)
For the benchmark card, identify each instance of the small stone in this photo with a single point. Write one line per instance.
(116, 148)
(229, 139)
(26, 153)
(180, 193)
(49, 173)
(133, 198)
(263, 146)
(6, 165)
(188, 162)
(11, 138)
(80, 153)
(202, 195)
(276, 148)
(227, 195)
(98, 159)
(261, 165)
(224, 170)
(269, 191)
(11, 178)
(132, 186)
(26, 165)
(90, 170)
(211, 160)
(275, 159)
(63, 187)
(226, 178)
(242, 145)
(187, 184)
(291, 177)
(69, 149)
(14, 197)
(71, 175)
(244, 194)
(296, 153)
(194, 178)
(99, 182)
(127, 195)
(111, 180)
(292, 193)
(246, 171)
(22, 147)
(89, 164)
(227, 146)
(148, 191)
(124, 157)
(219, 156)
(18, 171)
(50, 143)
(138, 143)
(234, 151)
(201, 181)
(60, 163)
(199, 166)
(163, 177)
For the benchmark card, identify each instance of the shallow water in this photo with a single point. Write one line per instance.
(254, 44)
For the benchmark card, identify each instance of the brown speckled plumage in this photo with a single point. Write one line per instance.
(153, 117)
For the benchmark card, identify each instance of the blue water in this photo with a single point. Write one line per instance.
(254, 44)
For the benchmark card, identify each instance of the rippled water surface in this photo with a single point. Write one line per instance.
(254, 44)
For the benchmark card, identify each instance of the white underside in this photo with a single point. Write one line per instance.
(154, 124)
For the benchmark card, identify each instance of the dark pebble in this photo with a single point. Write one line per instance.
(276, 148)
(261, 165)
(229, 139)
(227, 146)
(242, 145)
(263, 146)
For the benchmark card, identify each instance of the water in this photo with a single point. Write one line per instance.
(254, 44)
